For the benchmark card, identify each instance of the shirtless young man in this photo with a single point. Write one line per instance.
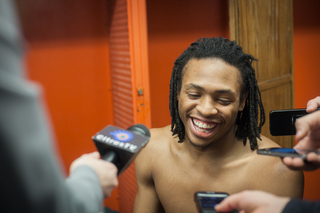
(210, 145)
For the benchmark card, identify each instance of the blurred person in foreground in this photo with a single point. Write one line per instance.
(31, 177)
(308, 136)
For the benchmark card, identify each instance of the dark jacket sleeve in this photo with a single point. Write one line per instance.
(295, 206)
(31, 178)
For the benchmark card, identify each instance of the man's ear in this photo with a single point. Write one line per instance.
(243, 102)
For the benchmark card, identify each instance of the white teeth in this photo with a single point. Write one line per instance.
(206, 127)
(202, 130)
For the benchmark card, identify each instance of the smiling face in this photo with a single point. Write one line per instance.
(209, 101)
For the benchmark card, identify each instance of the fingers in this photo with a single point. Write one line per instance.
(306, 124)
(109, 180)
(253, 202)
(302, 126)
(106, 171)
(313, 104)
(293, 163)
(90, 159)
(308, 131)
(311, 163)
(246, 201)
(314, 159)
(95, 155)
(229, 203)
(308, 127)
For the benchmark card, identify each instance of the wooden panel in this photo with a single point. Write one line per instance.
(265, 29)
(274, 97)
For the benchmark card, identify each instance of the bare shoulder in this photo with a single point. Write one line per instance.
(266, 143)
(147, 199)
(159, 141)
(274, 173)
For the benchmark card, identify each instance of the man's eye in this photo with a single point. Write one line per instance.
(193, 95)
(224, 102)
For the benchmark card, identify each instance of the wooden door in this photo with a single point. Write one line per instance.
(264, 29)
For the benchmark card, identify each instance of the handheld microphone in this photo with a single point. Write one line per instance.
(121, 146)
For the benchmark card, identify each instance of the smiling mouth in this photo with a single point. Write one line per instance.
(203, 127)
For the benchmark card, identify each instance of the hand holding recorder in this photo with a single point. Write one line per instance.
(206, 201)
(253, 201)
(308, 136)
(305, 124)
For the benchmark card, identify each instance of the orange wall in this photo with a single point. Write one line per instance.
(306, 69)
(68, 54)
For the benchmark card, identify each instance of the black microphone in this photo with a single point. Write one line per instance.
(121, 146)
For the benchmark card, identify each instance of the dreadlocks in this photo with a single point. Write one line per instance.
(231, 53)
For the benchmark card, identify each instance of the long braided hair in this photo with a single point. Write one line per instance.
(231, 53)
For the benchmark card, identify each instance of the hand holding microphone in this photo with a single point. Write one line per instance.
(121, 146)
(116, 146)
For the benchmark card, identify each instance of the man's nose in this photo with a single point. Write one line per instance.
(207, 107)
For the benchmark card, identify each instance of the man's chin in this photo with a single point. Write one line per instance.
(198, 145)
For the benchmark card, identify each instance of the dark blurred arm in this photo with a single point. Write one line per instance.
(31, 179)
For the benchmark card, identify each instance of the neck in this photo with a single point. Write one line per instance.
(226, 148)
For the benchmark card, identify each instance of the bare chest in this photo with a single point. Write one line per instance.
(176, 183)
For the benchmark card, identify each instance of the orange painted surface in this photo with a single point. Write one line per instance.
(75, 81)
(306, 68)
(138, 35)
